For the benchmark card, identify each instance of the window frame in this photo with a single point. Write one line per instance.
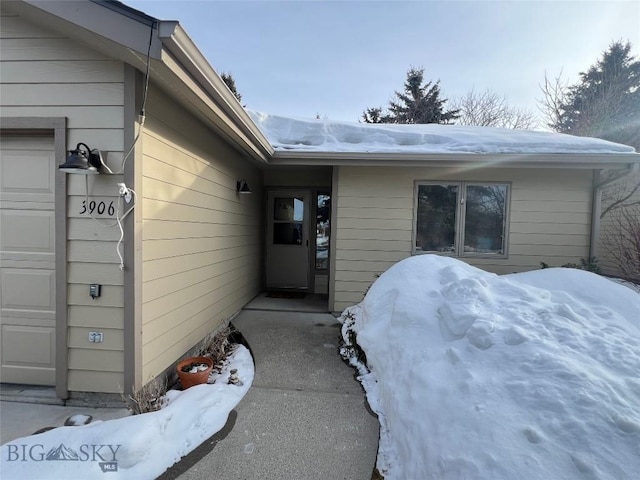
(460, 221)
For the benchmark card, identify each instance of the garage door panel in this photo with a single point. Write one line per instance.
(27, 172)
(28, 289)
(27, 260)
(27, 231)
(28, 375)
(47, 262)
(28, 346)
(27, 202)
(30, 318)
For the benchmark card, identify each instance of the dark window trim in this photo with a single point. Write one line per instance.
(460, 219)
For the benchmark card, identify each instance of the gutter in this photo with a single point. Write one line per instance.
(474, 160)
(182, 48)
(596, 202)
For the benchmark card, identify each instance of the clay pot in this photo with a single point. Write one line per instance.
(188, 379)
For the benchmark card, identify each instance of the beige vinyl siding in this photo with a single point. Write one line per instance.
(201, 241)
(296, 176)
(549, 220)
(44, 74)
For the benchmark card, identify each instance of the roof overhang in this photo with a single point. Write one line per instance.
(470, 160)
(177, 66)
(207, 91)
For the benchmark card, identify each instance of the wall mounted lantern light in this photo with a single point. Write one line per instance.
(242, 187)
(83, 160)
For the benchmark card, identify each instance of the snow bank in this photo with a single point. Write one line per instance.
(285, 133)
(139, 446)
(479, 376)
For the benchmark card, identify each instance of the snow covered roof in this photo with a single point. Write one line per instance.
(319, 135)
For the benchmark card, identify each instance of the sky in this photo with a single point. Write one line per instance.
(336, 58)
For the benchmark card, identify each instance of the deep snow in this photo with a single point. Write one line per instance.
(297, 134)
(478, 376)
(143, 446)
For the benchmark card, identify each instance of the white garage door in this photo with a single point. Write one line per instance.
(27, 259)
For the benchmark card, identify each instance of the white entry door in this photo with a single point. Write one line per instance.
(27, 260)
(288, 239)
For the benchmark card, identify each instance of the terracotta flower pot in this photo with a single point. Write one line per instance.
(188, 379)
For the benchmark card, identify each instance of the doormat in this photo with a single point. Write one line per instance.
(296, 295)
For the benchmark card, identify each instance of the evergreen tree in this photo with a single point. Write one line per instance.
(374, 115)
(418, 103)
(605, 103)
(228, 79)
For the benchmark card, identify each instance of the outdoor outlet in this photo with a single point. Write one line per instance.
(124, 192)
(94, 290)
(96, 337)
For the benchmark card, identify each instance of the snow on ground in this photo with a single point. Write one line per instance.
(478, 376)
(139, 446)
(286, 133)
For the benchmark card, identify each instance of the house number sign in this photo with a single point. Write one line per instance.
(97, 207)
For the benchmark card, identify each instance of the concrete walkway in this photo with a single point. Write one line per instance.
(21, 419)
(305, 416)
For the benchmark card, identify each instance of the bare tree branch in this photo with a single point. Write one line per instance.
(490, 109)
(555, 94)
(621, 239)
(620, 201)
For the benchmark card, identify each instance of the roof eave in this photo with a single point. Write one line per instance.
(118, 23)
(180, 46)
(123, 33)
(499, 160)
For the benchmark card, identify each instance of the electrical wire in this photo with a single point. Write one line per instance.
(142, 117)
(144, 104)
(120, 220)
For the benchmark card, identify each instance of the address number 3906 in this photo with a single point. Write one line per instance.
(100, 208)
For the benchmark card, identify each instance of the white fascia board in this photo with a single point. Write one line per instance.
(477, 160)
(125, 30)
(188, 56)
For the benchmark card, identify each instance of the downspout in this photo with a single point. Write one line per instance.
(596, 208)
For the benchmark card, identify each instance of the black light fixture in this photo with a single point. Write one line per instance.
(85, 161)
(242, 187)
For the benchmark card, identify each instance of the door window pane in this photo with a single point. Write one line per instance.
(288, 217)
(485, 218)
(288, 208)
(287, 233)
(436, 218)
(323, 212)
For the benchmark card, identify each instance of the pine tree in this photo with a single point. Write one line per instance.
(228, 79)
(418, 103)
(605, 103)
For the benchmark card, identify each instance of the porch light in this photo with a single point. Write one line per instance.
(83, 160)
(242, 187)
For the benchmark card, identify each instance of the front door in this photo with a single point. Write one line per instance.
(288, 239)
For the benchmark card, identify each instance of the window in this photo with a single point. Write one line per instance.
(323, 217)
(461, 218)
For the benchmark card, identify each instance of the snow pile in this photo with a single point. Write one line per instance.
(285, 133)
(479, 376)
(138, 446)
